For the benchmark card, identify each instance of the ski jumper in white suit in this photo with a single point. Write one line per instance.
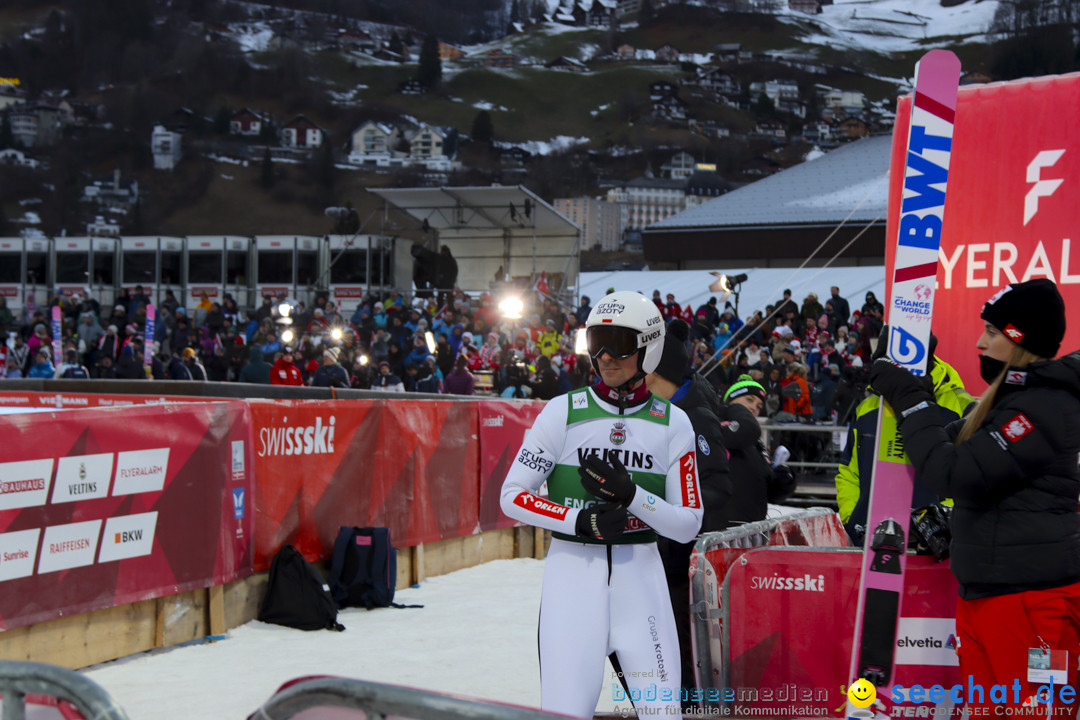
(601, 597)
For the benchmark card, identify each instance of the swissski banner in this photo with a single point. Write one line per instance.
(502, 428)
(105, 507)
(790, 618)
(409, 466)
(1011, 214)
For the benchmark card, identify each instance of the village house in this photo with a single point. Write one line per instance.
(247, 122)
(301, 133)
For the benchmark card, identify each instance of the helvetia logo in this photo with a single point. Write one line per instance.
(779, 582)
(314, 439)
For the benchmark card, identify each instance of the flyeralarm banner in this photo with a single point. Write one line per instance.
(105, 507)
(1011, 214)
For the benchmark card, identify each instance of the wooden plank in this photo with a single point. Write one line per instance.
(184, 616)
(159, 622)
(81, 640)
(243, 598)
(216, 606)
(419, 573)
(496, 544)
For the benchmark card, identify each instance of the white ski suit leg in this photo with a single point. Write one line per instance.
(584, 616)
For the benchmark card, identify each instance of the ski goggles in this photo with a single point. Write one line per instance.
(618, 342)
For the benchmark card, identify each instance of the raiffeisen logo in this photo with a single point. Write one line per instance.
(779, 582)
(314, 439)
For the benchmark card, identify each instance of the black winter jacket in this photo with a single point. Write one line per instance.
(697, 398)
(1014, 483)
(751, 472)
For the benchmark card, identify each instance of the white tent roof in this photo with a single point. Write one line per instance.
(492, 228)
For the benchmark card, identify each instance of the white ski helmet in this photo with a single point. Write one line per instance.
(623, 323)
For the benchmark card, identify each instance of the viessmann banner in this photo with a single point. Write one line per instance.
(107, 507)
(1011, 213)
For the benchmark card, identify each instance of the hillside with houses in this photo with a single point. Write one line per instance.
(619, 112)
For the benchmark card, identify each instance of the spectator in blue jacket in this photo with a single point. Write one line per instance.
(43, 367)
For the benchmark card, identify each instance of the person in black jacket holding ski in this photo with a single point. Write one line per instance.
(1011, 469)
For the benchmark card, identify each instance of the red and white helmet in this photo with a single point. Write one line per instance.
(623, 323)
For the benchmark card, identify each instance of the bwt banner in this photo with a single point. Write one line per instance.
(409, 466)
(107, 507)
(1011, 213)
(502, 428)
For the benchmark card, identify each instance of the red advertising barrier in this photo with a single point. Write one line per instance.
(1012, 210)
(790, 620)
(502, 428)
(107, 507)
(73, 400)
(409, 466)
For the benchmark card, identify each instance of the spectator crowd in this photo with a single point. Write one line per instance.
(809, 357)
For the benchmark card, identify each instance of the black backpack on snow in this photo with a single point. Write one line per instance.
(363, 571)
(297, 596)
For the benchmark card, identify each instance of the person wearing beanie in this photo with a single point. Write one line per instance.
(385, 380)
(757, 483)
(1010, 468)
(71, 368)
(194, 365)
(330, 373)
(673, 380)
(284, 370)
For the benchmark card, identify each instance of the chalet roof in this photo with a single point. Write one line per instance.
(850, 179)
(301, 121)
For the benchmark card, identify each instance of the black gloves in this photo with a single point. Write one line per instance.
(601, 522)
(899, 387)
(607, 482)
(782, 485)
(930, 532)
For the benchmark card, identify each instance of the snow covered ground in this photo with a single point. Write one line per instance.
(475, 636)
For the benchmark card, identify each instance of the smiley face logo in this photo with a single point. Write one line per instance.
(862, 693)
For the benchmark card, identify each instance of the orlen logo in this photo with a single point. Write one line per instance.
(691, 498)
(776, 582)
(540, 505)
(314, 439)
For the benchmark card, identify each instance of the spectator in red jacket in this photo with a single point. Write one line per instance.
(284, 371)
